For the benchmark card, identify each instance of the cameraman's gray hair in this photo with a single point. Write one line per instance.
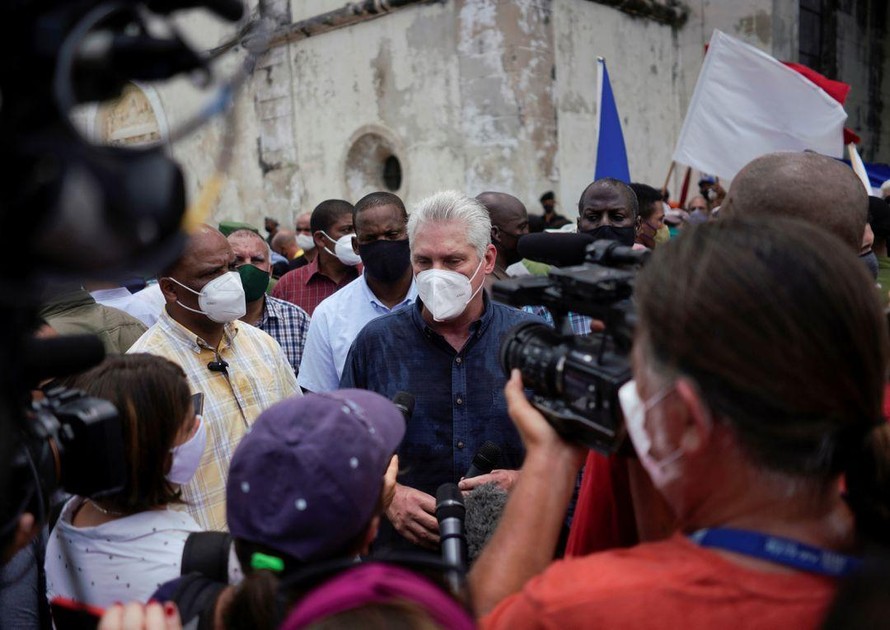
(448, 206)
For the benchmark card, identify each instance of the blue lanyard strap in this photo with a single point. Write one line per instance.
(783, 551)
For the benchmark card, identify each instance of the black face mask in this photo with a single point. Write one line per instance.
(624, 235)
(385, 261)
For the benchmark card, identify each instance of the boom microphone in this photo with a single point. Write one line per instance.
(485, 460)
(555, 248)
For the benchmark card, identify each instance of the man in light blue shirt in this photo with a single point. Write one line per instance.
(387, 284)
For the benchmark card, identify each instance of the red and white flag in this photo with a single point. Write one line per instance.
(747, 104)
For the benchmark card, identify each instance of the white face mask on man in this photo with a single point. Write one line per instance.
(343, 250)
(305, 242)
(221, 299)
(446, 293)
(662, 472)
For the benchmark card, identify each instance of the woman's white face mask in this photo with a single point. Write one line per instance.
(663, 472)
(187, 456)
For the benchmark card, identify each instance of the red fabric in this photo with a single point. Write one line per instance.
(307, 286)
(604, 514)
(669, 584)
(835, 89)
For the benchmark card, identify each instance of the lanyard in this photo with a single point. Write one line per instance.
(783, 551)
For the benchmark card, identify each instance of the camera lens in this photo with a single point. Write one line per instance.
(538, 352)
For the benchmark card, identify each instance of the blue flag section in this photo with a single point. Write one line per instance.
(611, 156)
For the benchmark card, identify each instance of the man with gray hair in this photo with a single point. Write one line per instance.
(444, 351)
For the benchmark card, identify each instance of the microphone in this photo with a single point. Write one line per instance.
(220, 365)
(555, 248)
(405, 402)
(485, 505)
(485, 460)
(450, 513)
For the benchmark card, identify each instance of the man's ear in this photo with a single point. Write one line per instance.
(489, 260)
(638, 223)
(495, 234)
(168, 289)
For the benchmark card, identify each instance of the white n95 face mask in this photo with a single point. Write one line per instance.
(446, 293)
(662, 472)
(305, 242)
(343, 250)
(221, 299)
(187, 456)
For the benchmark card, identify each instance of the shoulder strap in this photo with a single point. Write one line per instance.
(208, 554)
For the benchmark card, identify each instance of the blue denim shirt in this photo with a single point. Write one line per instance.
(459, 396)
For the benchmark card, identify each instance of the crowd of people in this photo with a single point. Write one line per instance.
(272, 481)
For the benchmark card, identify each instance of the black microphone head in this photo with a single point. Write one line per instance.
(405, 402)
(449, 502)
(487, 457)
(560, 249)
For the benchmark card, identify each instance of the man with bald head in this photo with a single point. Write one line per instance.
(509, 221)
(806, 185)
(285, 243)
(240, 369)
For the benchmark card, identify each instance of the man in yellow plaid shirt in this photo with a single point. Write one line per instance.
(240, 369)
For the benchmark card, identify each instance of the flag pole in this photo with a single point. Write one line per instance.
(858, 167)
(668, 178)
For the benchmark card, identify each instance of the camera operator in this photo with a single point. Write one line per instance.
(746, 412)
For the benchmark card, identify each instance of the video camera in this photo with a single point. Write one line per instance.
(70, 440)
(575, 378)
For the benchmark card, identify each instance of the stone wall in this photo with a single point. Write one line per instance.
(479, 95)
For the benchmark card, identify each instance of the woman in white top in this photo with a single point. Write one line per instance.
(122, 546)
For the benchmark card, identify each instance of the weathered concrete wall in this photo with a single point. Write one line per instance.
(480, 94)
(643, 63)
(863, 60)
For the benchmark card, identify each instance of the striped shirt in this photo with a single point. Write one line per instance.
(287, 324)
(257, 376)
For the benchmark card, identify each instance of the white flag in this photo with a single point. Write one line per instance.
(747, 104)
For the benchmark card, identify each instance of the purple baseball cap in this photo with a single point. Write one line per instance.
(307, 476)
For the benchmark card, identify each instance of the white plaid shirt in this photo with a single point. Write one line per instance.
(258, 375)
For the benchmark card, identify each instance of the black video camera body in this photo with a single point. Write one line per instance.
(575, 378)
